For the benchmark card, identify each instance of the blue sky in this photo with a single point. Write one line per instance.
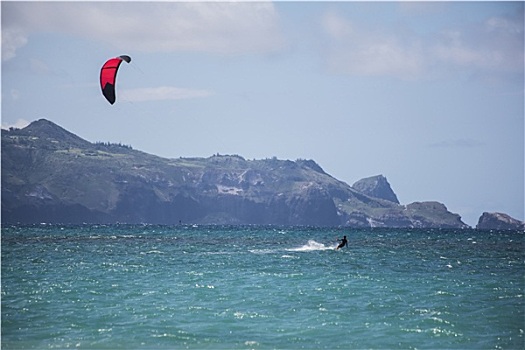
(429, 94)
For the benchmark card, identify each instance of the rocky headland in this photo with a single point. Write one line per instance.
(51, 175)
(499, 221)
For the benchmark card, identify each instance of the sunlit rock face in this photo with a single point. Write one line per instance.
(498, 221)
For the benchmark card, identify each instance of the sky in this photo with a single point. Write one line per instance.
(428, 94)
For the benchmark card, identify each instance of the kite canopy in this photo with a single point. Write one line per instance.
(108, 76)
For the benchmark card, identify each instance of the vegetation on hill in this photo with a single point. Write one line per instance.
(52, 175)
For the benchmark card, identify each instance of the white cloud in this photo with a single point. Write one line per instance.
(495, 45)
(217, 27)
(12, 39)
(491, 47)
(19, 124)
(504, 24)
(162, 93)
(354, 50)
(336, 26)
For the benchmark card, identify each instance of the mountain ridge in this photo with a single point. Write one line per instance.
(52, 175)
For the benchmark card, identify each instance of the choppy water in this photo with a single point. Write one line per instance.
(260, 287)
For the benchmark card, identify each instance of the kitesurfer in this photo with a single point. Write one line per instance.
(343, 243)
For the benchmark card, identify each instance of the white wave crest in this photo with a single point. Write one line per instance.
(310, 246)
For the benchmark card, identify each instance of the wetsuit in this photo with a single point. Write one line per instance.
(343, 243)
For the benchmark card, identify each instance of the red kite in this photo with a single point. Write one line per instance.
(108, 76)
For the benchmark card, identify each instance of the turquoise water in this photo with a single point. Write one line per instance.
(222, 287)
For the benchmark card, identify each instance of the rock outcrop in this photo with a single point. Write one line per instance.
(376, 186)
(499, 221)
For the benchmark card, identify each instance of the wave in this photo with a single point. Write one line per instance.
(311, 246)
(262, 251)
(152, 252)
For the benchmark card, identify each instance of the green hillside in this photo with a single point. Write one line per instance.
(52, 175)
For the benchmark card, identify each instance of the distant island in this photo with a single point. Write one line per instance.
(51, 175)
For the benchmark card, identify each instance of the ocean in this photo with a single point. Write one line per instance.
(260, 287)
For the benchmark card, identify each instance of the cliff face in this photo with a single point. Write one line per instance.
(376, 186)
(50, 175)
(499, 221)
